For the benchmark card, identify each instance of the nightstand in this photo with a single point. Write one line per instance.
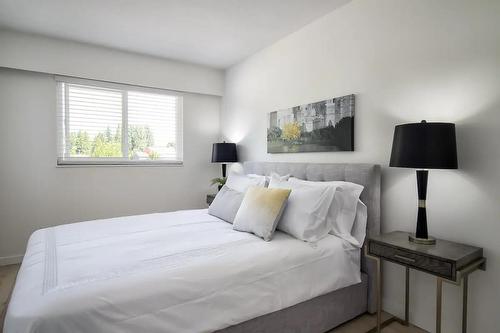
(210, 198)
(448, 261)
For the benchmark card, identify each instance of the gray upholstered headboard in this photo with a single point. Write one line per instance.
(367, 175)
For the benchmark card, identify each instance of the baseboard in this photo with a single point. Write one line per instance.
(11, 260)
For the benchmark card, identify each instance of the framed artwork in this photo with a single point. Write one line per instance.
(315, 127)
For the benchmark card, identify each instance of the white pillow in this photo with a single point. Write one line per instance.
(268, 178)
(226, 204)
(255, 176)
(342, 211)
(241, 183)
(358, 231)
(277, 177)
(306, 210)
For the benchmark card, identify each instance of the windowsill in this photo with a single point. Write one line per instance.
(83, 164)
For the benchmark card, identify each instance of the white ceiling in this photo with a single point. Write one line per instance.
(216, 33)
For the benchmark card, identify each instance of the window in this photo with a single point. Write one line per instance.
(105, 123)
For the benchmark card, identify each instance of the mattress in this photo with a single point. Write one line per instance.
(183, 271)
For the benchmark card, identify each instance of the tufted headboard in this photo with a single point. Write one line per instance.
(367, 175)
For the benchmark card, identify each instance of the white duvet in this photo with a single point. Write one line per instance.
(182, 271)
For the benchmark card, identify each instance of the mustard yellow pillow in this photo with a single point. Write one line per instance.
(260, 211)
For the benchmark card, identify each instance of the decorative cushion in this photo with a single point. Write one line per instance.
(343, 208)
(260, 211)
(306, 211)
(226, 204)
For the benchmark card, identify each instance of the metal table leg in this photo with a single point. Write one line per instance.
(378, 291)
(407, 297)
(464, 304)
(379, 295)
(439, 293)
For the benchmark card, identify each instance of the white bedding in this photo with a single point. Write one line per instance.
(183, 271)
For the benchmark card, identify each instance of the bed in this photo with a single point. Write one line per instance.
(188, 271)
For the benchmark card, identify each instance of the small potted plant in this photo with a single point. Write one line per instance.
(219, 181)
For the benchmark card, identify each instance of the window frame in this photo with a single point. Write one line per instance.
(63, 129)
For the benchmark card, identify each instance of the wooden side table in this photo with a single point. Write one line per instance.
(449, 261)
(210, 198)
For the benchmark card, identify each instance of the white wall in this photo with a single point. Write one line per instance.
(55, 56)
(34, 193)
(405, 61)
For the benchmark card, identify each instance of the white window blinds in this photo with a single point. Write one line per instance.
(104, 123)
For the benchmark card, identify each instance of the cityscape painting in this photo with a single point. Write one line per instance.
(315, 127)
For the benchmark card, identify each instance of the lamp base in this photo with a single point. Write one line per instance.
(424, 241)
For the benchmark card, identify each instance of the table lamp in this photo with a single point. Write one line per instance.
(424, 146)
(224, 152)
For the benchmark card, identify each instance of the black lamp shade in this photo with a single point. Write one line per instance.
(424, 146)
(224, 153)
